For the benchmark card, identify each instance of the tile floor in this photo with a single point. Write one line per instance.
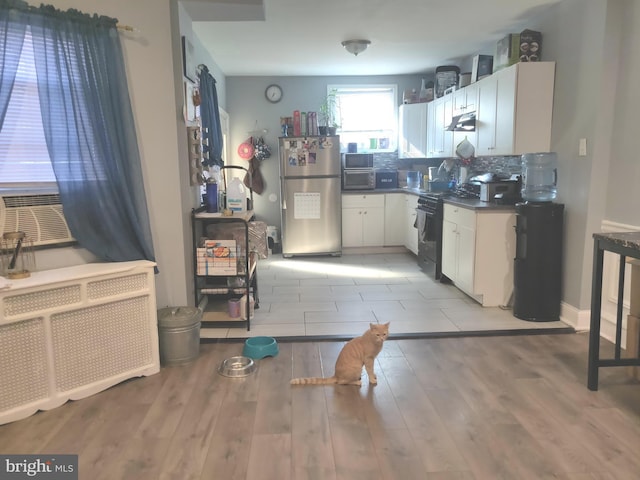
(337, 297)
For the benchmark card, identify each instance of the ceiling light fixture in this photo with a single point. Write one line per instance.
(356, 46)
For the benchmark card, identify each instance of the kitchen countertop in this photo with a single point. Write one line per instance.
(477, 204)
(470, 203)
(412, 191)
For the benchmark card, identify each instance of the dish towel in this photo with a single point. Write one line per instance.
(421, 224)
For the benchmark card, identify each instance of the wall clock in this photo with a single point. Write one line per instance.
(273, 93)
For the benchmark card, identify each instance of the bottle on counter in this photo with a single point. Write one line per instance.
(212, 196)
(423, 95)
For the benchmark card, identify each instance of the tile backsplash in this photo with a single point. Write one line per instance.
(503, 165)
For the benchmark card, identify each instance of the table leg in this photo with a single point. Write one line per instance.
(596, 304)
(632, 349)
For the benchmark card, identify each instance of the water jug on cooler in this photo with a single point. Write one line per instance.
(539, 177)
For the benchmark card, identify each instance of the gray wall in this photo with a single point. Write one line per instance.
(573, 36)
(623, 200)
(594, 99)
(249, 111)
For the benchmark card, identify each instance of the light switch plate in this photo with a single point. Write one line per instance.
(582, 147)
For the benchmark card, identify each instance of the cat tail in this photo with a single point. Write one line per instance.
(314, 381)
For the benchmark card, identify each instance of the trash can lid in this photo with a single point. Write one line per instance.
(179, 316)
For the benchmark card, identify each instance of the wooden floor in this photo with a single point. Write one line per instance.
(509, 407)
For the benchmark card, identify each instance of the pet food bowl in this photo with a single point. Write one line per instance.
(260, 347)
(237, 367)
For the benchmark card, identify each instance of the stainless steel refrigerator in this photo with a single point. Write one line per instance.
(310, 197)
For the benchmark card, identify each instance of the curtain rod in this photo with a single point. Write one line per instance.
(126, 28)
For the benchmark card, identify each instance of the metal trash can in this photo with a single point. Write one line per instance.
(179, 334)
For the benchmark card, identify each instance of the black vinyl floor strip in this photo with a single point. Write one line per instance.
(409, 336)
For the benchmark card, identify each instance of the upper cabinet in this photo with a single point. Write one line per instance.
(514, 110)
(440, 142)
(412, 142)
(465, 100)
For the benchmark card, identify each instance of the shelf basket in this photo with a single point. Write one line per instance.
(16, 255)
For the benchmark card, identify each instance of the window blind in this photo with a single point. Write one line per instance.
(24, 159)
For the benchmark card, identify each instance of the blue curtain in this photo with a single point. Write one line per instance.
(90, 132)
(210, 118)
(12, 28)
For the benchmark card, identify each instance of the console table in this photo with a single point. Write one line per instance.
(71, 332)
(625, 244)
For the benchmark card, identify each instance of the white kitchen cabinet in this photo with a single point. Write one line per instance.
(410, 231)
(395, 205)
(465, 100)
(431, 129)
(514, 110)
(439, 139)
(478, 248)
(413, 130)
(362, 220)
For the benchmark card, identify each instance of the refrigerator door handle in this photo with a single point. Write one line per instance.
(283, 189)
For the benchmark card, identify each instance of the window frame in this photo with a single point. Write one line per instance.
(392, 88)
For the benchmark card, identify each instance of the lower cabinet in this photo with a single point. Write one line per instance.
(394, 219)
(380, 220)
(478, 248)
(362, 220)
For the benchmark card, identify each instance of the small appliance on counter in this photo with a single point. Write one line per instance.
(358, 179)
(387, 178)
(357, 160)
(494, 187)
(358, 172)
(504, 188)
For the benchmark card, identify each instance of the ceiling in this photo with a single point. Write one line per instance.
(303, 37)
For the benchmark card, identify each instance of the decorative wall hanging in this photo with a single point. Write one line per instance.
(188, 67)
(246, 149)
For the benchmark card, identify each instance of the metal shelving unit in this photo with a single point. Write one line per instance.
(213, 290)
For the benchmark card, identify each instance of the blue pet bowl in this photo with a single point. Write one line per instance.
(260, 347)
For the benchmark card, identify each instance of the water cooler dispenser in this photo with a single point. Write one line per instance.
(537, 269)
(539, 224)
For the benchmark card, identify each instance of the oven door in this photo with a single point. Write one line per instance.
(429, 241)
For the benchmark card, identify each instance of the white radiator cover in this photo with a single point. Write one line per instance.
(69, 333)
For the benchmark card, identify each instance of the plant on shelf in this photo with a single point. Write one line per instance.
(329, 113)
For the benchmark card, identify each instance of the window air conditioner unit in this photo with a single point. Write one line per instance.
(39, 216)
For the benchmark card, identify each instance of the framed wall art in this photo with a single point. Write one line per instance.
(191, 110)
(188, 65)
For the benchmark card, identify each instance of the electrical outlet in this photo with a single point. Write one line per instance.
(582, 147)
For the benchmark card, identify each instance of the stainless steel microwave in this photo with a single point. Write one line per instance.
(358, 179)
(358, 160)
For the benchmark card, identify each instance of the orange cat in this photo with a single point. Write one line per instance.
(357, 352)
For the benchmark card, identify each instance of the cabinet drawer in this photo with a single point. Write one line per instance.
(460, 216)
(358, 201)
